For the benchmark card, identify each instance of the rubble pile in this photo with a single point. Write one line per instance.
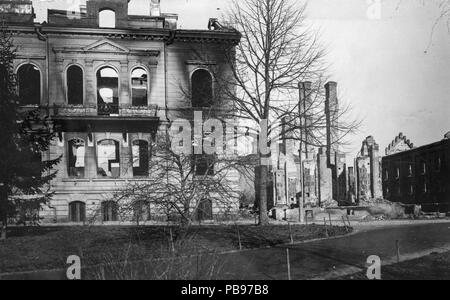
(383, 209)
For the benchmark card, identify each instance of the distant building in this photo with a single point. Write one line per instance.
(419, 176)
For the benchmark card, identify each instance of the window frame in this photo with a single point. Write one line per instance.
(97, 92)
(191, 85)
(131, 85)
(68, 158)
(114, 207)
(83, 212)
(118, 145)
(132, 158)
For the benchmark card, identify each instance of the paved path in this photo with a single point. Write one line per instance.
(320, 258)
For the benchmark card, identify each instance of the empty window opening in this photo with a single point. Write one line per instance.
(107, 91)
(204, 165)
(108, 159)
(75, 85)
(29, 83)
(107, 18)
(141, 158)
(77, 150)
(202, 92)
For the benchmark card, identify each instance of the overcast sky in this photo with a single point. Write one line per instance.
(389, 64)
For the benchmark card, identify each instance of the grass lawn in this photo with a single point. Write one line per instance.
(37, 248)
(432, 267)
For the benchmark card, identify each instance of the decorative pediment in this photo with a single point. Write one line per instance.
(106, 46)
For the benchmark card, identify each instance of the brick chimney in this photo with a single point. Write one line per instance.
(332, 112)
(305, 104)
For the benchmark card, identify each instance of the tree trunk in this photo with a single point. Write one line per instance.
(263, 179)
(3, 212)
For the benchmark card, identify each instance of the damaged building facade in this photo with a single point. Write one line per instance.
(110, 82)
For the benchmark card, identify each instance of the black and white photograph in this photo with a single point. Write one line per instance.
(224, 145)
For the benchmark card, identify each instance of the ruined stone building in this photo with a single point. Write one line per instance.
(110, 81)
(325, 174)
(419, 176)
(368, 175)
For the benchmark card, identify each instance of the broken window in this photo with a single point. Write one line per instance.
(77, 212)
(75, 85)
(139, 87)
(141, 153)
(77, 150)
(107, 18)
(202, 90)
(107, 91)
(29, 83)
(109, 211)
(108, 159)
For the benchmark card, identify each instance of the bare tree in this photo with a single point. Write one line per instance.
(442, 18)
(181, 186)
(276, 52)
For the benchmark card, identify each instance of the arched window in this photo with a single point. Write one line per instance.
(107, 91)
(139, 87)
(109, 211)
(75, 86)
(141, 153)
(77, 212)
(29, 83)
(76, 161)
(202, 91)
(108, 159)
(107, 18)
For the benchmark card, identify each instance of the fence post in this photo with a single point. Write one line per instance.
(397, 245)
(172, 245)
(239, 237)
(288, 264)
(345, 224)
(290, 233)
(325, 224)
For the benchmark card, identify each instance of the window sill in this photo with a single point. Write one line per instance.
(109, 179)
(75, 180)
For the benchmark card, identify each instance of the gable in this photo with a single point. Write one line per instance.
(106, 46)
